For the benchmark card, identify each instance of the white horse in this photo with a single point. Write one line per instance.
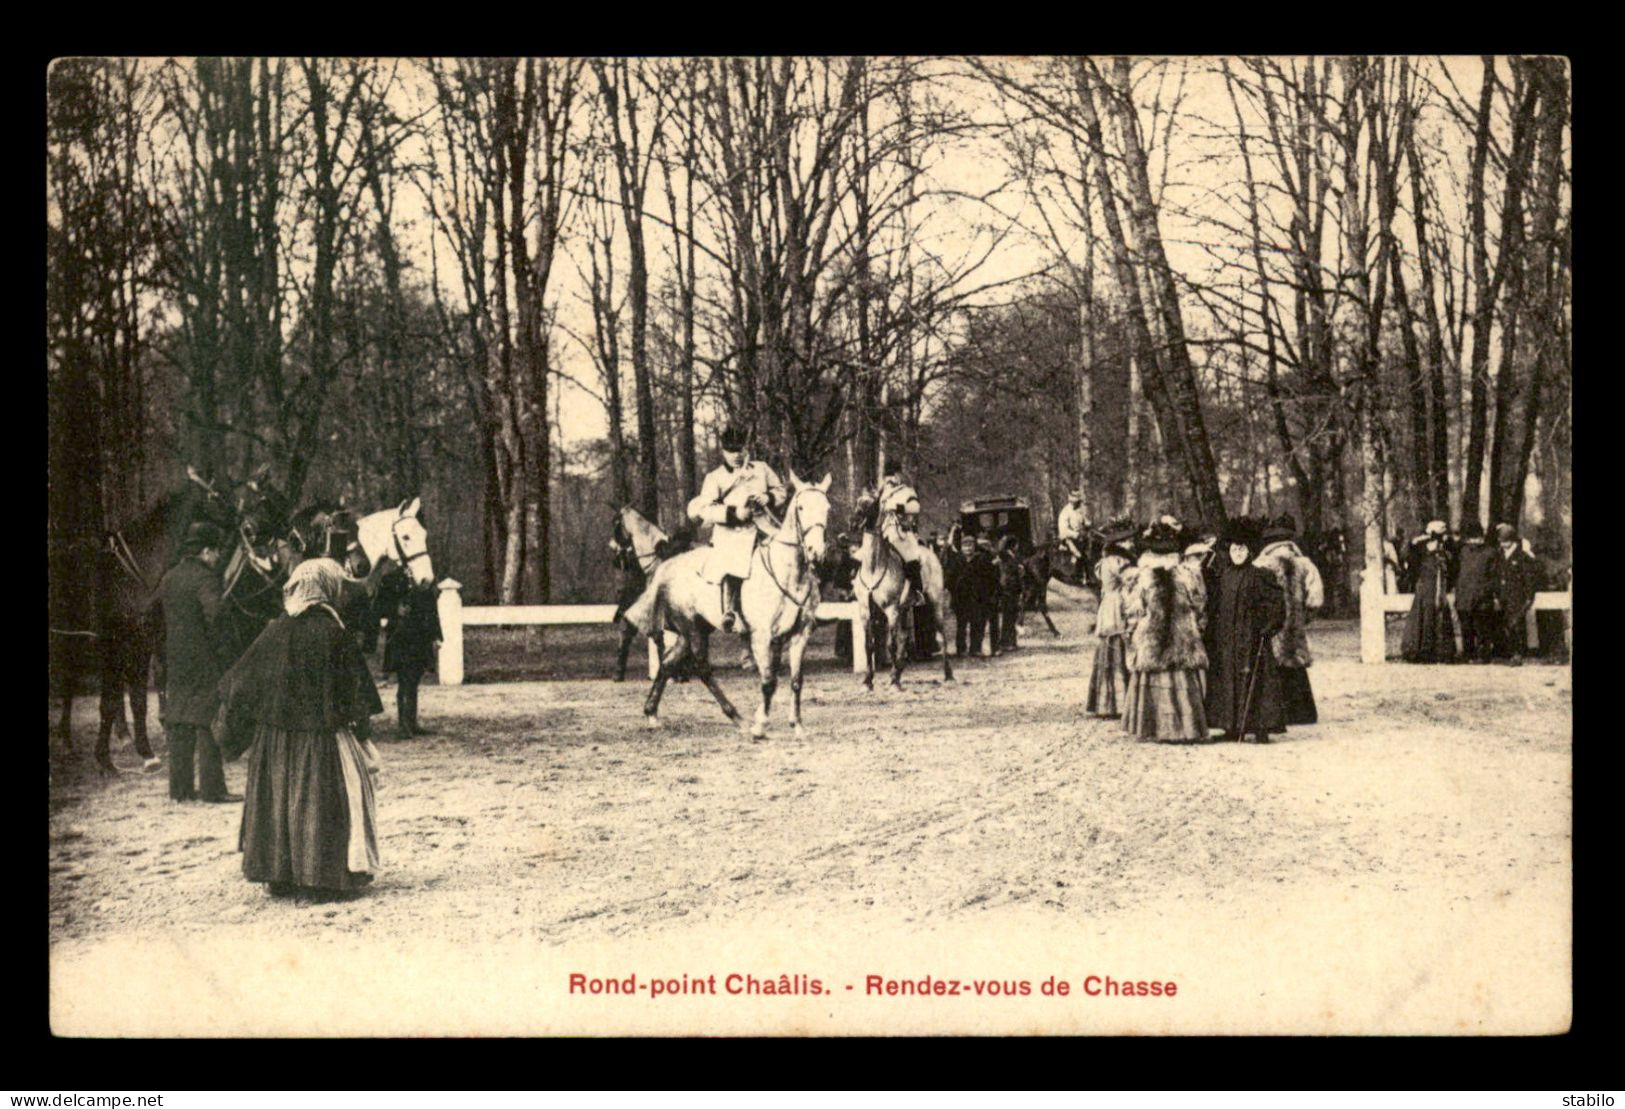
(398, 535)
(880, 579)
(779, 601)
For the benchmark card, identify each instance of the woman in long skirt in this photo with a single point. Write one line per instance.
(1162, 607)
(1246, 609)
(1108, 682)
(1301, 586)
(299, 701)
(1430, 628)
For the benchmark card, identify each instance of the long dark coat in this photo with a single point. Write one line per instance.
(414, 626)
(1430, 629)
(1245, 610)
(192, 648)
(1479, 578)
(303, 674)
(1519, 580)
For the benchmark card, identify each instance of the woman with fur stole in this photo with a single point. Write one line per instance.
(1300, 582)
(1108, 682)
(1162, 610)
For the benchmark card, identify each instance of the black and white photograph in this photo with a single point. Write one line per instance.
(809, 546)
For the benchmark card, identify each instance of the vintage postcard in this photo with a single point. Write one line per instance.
(810, 546)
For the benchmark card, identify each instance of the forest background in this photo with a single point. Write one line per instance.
(530, 289)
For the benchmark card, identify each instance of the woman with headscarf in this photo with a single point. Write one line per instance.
(299, 702)
(1162, 610)
(1108, 683)
(1245, 611)
(1430, 628)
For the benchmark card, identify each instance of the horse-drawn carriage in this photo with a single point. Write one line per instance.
(996, 517)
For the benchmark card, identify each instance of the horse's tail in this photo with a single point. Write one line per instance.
(648, 612)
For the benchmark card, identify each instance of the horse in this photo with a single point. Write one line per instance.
(129, 566)
(880, 580)
(639, 547)
(779, 601)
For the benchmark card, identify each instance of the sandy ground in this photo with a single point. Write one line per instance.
(1403, 866)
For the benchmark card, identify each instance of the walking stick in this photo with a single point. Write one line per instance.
(1252, 684)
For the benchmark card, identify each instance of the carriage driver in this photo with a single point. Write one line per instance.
(733, 495)
(1069, 525)
(898, 521)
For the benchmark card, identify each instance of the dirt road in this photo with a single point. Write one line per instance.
(543, 823)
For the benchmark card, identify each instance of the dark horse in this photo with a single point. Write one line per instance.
(1055, 560)
(130, 564)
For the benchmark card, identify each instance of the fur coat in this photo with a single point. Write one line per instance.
(1300, 581)
(1163, 610)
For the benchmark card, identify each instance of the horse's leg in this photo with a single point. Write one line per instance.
(798, 649)
(868, 642)
(651, 705)
(894, 637)
(702, 667)
(136, 684)
(628, 633)
(940, 608)
(1043, 607)
(765, 652)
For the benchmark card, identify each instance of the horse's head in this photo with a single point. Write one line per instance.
(263, 512)
(808, 514)
(398, 534)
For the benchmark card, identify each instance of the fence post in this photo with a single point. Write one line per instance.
(1373, 621)
(449, 605)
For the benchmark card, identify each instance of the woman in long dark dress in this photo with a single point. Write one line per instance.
(1247, 608)
(300, 701)
(1302, 588)
(1430, 629)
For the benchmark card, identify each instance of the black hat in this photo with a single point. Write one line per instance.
(1241, 530)
(733, 439)
(893, 466)
(1472, 529)
(201, 536)
(1282, 527)
(1162, 538)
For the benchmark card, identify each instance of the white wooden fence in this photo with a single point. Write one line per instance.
(455, 616)
(1375, 606)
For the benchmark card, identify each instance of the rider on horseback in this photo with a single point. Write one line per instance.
(730, 500)
(896, 508)
(1069, 527)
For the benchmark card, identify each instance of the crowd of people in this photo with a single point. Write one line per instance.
(1464, 583)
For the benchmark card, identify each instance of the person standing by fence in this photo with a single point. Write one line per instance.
(1477, 583)
(413, 634)
(1519, 578)
(1430, 630)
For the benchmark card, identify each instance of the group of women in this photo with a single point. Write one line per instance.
(1204, 632)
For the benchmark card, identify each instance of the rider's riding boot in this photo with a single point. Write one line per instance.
(730, 604)
(911, 570)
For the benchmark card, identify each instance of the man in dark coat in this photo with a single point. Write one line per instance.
(1245, 610)
(409, 652)
(981, 582)
(1009, 567)
(1478, 582)
(1519, 579)
(192, 666)
(835, 584)
(956, 578)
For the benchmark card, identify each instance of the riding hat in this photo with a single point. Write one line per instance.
(1076, 495)
(1161, 538)
(1282, 527)
(733, 439)
(201, 536)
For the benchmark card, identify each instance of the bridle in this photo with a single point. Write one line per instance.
(403, 559)
(797, 541)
